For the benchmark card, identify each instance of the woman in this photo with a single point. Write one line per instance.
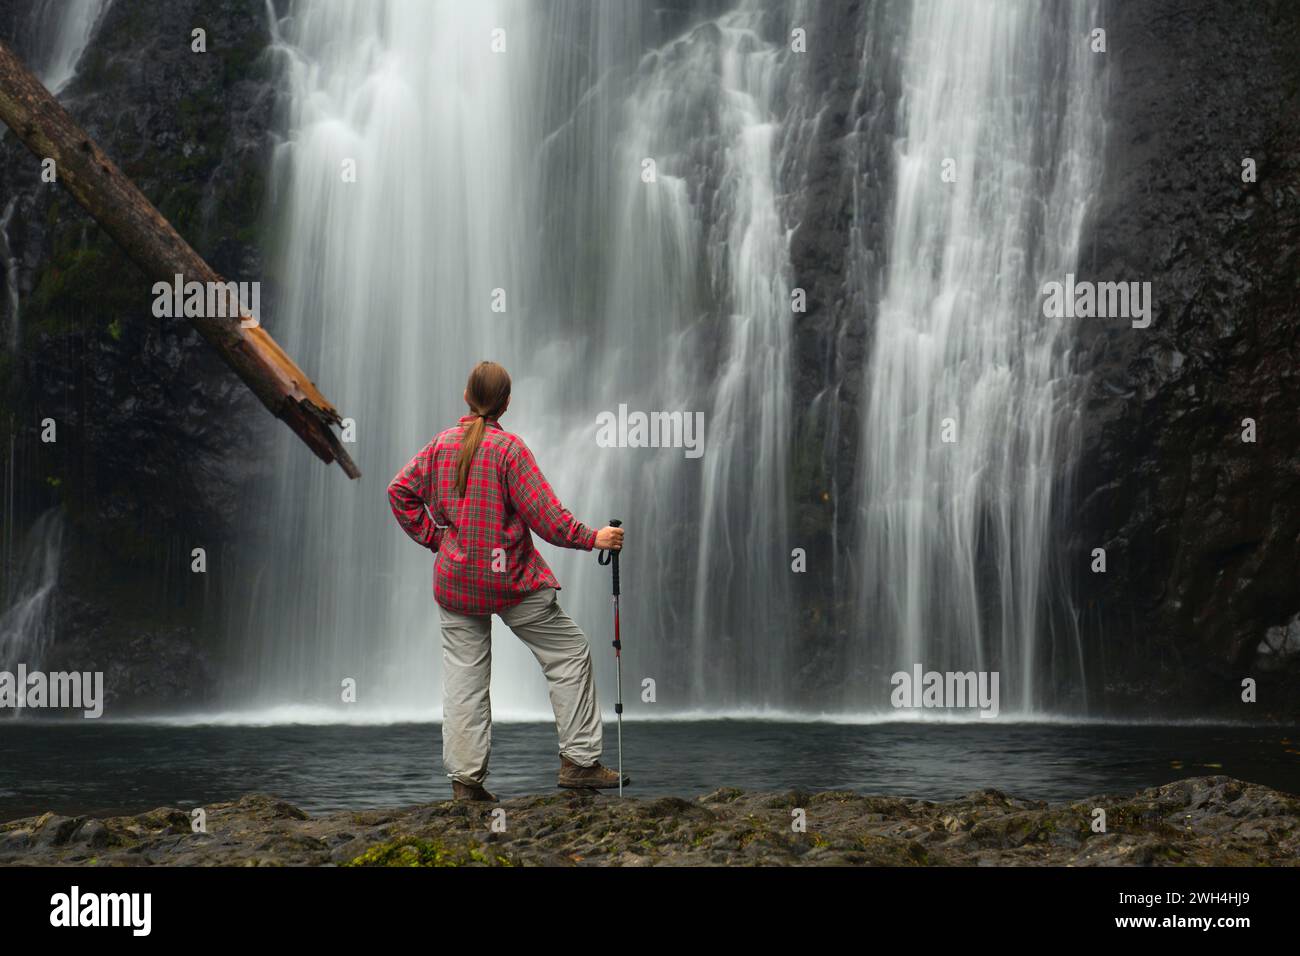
(484, 491)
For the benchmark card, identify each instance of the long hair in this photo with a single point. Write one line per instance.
(488, 390)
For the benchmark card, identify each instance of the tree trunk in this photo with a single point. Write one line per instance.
(156, 247)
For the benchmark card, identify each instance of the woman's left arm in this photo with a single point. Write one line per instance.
(409, 495)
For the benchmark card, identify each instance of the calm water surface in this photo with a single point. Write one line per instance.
(84, 767)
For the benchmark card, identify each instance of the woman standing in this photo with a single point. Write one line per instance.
(472, 495)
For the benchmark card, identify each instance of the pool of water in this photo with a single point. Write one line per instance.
(98, 767)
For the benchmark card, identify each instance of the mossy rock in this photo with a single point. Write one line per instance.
(723, 795)
(84, 284)
(420, 851)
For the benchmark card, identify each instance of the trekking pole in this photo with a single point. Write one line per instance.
(611, 558)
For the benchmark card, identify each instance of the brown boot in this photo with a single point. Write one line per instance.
(475, 792)
(595, 776)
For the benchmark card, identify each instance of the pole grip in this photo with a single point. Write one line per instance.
(611, 557)
(615, 523)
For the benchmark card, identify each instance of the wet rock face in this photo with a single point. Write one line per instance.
(15, 15)
(1214, 821)
(166, 665)
(1201, 529)
(158, 443)
(848, 177)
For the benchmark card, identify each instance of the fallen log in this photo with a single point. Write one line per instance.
(158, 249)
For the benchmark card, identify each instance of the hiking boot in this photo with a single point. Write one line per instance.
(475, 792)
(595, 777)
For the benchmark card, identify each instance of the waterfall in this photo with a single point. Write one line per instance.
(601, 197)
(26, 623)
(9, 274)
(62, 29)
(700, 290)
(485, 177)
(957, 537)
(385, 283)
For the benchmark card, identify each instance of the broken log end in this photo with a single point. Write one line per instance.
(311, 424)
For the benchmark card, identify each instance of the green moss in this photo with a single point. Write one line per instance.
(416, 851)
(753, 835)
(1174, 855)
(85, 284)
(246, 61)
(890, 851)
(180, 206)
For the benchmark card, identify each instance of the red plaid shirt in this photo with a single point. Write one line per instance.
(486, 559)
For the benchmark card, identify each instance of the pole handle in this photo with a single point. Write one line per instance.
(611, 557)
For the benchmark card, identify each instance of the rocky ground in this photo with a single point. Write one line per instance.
(1200, 821)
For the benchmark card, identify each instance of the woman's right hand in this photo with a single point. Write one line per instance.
(609, 539)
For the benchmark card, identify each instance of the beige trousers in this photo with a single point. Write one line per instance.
(559, 646)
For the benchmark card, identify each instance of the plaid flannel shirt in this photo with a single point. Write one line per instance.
(486, 560)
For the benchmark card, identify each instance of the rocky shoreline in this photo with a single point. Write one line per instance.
(1202, 821)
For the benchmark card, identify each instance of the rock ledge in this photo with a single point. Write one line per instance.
(1216, 821)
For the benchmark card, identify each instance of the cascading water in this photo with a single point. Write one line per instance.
(62, 29)
(696, 305)
(485, 177)
(10, 308)
(956, 529)
(386, 282)
(601, 196)
(26, 624)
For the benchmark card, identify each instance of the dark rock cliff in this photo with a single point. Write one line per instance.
(846, 182)
(1201, 529)
(157, 441)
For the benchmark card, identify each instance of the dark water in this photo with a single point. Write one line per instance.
(98, 768)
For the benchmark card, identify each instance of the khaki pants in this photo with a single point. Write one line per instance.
(559, 646)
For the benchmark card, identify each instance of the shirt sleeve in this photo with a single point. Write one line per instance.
(409, 495)
(532, 496)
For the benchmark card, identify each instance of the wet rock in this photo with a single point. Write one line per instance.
(92, 834)
(1202, 530)
(1201, 821)
(54, 830)
(14, 842)
(1280, 648)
